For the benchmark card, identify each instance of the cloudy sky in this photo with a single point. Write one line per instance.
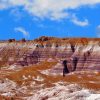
(61, 18)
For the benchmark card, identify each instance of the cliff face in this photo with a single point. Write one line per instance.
(84, 53)
(89, 56)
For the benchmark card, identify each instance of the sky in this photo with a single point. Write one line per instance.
(31, 19)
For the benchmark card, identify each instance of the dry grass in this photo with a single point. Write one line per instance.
(34, 71)
(5, 98)
(89, 80)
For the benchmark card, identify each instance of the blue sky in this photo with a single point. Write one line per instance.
(31, 19)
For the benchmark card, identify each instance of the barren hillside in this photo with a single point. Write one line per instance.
(33, 70)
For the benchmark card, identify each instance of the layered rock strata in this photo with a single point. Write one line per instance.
(80, 56)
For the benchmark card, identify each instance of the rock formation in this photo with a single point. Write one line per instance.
(85, 51)
(34, 69)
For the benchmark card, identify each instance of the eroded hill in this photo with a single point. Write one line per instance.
(87, 52)
(32, 70)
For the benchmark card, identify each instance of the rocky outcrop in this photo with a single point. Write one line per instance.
(89, 57)
(69, 92)
(82, 54)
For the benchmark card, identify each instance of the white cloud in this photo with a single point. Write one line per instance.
(52, 9)
(23, 31)
(17, 14)
(98, 31)
(76, 21)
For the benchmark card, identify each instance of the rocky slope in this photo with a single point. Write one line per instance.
(86, 51)
(35, 83)
(32, 70)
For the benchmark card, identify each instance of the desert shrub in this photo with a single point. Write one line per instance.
(11, 40)
(23, 40)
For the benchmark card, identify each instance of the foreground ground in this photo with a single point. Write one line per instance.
(44, 81)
